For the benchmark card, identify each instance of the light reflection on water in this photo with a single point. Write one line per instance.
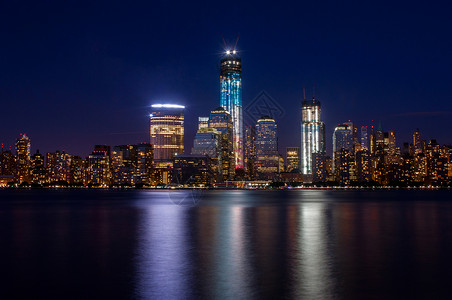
(304, 244)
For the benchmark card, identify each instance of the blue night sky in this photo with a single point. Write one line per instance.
(73, 75)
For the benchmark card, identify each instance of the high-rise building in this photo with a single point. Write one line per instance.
(267, 157)
(98, 167)
(392, 147)
(124, 164)
(145, 160)
(206, 142)
(364, 138)
(250, 151)
(343, 149)
(231, 99)
(23, 163)
(7, 163)
(38, 171)
(167, 131)
(417, 142)
(221, 121)
(76, 170)
(312, 133)
(292, 159)
(58, 166)
(343, 138)
(319, 167)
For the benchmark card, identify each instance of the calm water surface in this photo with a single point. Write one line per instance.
(303, 244)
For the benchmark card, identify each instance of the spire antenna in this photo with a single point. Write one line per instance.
(304, 93)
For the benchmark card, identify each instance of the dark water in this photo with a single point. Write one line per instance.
(308, 244)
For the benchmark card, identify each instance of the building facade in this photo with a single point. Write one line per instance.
(167, 131)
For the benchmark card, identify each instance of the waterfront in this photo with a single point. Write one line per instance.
(296, 244)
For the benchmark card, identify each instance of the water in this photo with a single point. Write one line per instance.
(298, 244)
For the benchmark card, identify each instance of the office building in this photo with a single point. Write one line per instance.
(38, 171)
(23, 163)
(250, 152)
(267, 157)
(292, 159)
(167, 131)
(221, 120)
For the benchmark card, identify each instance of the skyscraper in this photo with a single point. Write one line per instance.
(250, 151)
(167, 131)
(23, 161)
(312, 133)
(267, 157)
(221, 120)
(364, 138)
(417, 142)
(231, 99)
(343, 139)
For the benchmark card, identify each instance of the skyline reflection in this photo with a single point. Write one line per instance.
(240, 244)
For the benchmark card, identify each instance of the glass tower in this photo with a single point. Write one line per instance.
(312, 134)
(231, 99)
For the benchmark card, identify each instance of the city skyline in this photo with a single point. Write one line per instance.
(81, 77)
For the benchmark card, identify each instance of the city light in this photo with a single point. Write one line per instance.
(167, 106)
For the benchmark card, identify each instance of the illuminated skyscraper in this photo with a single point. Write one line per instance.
(167, 131)
(23, 161)
(221, 120)
(38, 172)
(231, 99)
(267, 157)
(364, 138)
(312, 134)
(343, 139)
(417, 142)
(250, 151)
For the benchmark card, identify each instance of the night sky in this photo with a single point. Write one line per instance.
(75, 75)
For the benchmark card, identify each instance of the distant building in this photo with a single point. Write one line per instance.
(192, 170)
(267, 157)
(98, 167)
(167, 131)
(417, 142)
(364, 138)
(206, 142)
(319, 167)
(23, 163)
(58, 166)
(292, 159)
(38, 171)
(76, 170)
(250, 152)
(144, 164)
(343, 138)
(7, 163)
(124, 164)
(221, 121)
